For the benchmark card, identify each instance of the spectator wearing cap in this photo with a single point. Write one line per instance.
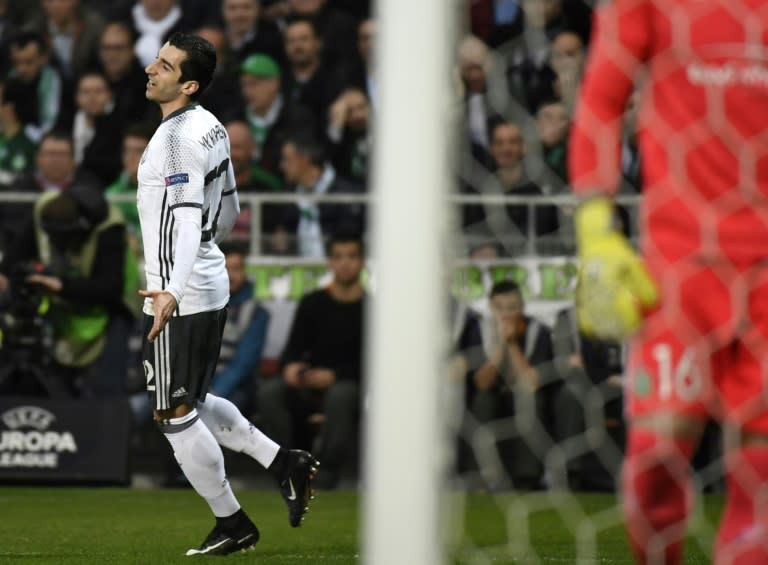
(270, 116)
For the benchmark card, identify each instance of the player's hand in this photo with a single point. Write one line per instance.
(613, 286)
(164, 305)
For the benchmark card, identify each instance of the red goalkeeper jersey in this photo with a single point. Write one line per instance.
(702, 70)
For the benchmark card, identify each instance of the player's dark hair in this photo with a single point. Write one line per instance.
(505, 287)
(341, 237)
(200, 62)
(308, 145)
(24, 38)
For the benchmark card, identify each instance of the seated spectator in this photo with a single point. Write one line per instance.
(335, 28)
(552, 124)
(350, 135)
(310, 81)
(632, 180)
(361, 73)
(271, 117)
(245, 333)
(135, 141)
(322, 366)
(54, 171)
(307, 223)
(154, 21)
(495, 21)
(566, 59)
(72, 30)
(17, 152)
(92, 279)
(97, 131)
(481, 101)
(41, 83)
(224, 88)
(513, 224)
(125, 74)
(514, 382)
(247, 32)
(250, 177)
(589, 404)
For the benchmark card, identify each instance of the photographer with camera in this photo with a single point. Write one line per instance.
(74, 254)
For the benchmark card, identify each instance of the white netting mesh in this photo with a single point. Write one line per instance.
(695, 199)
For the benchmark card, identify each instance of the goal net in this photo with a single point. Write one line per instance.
(474, 247)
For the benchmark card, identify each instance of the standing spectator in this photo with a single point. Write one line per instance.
(96, 131)
(511, 382)
(135, 141)
(125, 74)
(17, 152)
(309, 81)
(42, 83)
(72, 31)
(307, 222)
(322, 364)
(245, 333)
(350, 135)
(247, 32)
(271, 116)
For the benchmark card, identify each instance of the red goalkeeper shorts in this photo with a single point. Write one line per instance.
(703, 351)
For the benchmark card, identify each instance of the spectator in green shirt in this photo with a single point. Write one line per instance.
(17, 151)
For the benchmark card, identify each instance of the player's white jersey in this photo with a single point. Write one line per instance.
(185, 164)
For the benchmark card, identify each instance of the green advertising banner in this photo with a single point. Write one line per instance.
(547, 283)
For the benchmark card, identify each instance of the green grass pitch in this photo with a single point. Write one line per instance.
(105, 526)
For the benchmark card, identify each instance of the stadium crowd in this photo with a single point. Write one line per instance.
(297, 90)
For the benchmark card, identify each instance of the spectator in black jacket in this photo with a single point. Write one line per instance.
(322, 365)
(125, 74)
(308, 223)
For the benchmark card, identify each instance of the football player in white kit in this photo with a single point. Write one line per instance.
(188, 203)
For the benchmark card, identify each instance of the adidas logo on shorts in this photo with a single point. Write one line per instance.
(179, 392)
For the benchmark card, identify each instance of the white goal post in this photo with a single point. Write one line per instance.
(411, 177)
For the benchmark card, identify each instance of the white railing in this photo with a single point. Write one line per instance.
(254, 201)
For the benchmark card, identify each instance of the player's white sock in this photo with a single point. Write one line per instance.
(202, 461)
(232, 430)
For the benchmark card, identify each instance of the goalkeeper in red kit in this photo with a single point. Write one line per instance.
(694, 302)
